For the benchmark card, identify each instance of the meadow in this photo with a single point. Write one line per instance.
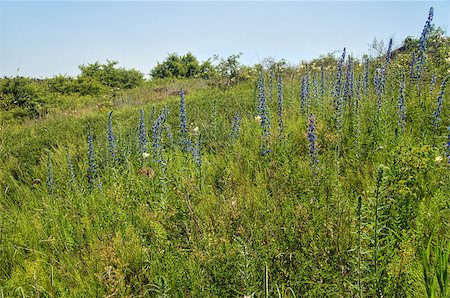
(326, 179)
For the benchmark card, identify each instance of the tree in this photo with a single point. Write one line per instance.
(176, 67)
(109, 75)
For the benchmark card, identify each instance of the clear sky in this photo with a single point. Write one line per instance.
(43, 39)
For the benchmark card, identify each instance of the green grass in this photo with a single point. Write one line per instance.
(245, 224)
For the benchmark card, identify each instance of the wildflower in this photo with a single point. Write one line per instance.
(339, 75)
(348, 87)
(145, 155)
(432, 83)
(401, 105)
(157, 138)
(70, 169)
(272, 76)
(264, 119)
(142, 133)
(438, 159)
(195, 130)
(448, 144)
(378, 83)
(338, 92)
(439, 104)
(316, 86)
(261, 91)
(111, 138)
(388, 53)
(421, 57)
(183, 124)
(235, 128)
(366, 75)
(322, 81)
(258, 119)
(169, 135)
(312, 137)
(197, 152)
(304, 95)
(412, 65)
(280, 106)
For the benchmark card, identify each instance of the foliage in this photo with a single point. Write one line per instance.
(186, 66)
(21, 93)
(108, 75)
(86, 210)
(224, 72)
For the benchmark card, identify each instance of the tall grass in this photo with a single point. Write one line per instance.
(199, 196)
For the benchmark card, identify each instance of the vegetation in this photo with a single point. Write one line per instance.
(323, 180)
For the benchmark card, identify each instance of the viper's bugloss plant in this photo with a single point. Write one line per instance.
(338, 98)
(439, 104)
(316, 86)
(304, 93)
(280, 106)
(111, 138)
(307, 85)
(235, 127)
(412, 67)
(448, 144)
(380, 77)
(338, 81)
(184, 142)
(142, 133)
(197, 156)
(271, 82)
(388, 53)
(366, 75)
(264, 115)
(432, 83)
(401, 105)
(422, 55)
(378, 81)
(196, 151)
(312, 144)
(169, 135)
(157, 143)
(322, 80)
(348, 87)
(303, 96)
(261, 91)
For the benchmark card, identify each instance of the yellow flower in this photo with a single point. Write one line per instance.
(258, 119)
(438, 159)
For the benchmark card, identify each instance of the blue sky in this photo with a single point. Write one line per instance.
(43, 39)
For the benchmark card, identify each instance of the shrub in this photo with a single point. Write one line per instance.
(109, 75)
(22, 94)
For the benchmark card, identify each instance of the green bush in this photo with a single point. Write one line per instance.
(25, 95)
(109, 75)
(175, 66)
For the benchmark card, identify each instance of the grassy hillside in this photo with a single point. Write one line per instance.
(300, 182)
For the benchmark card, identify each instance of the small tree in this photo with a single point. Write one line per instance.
(176, 67)
(109, 75)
